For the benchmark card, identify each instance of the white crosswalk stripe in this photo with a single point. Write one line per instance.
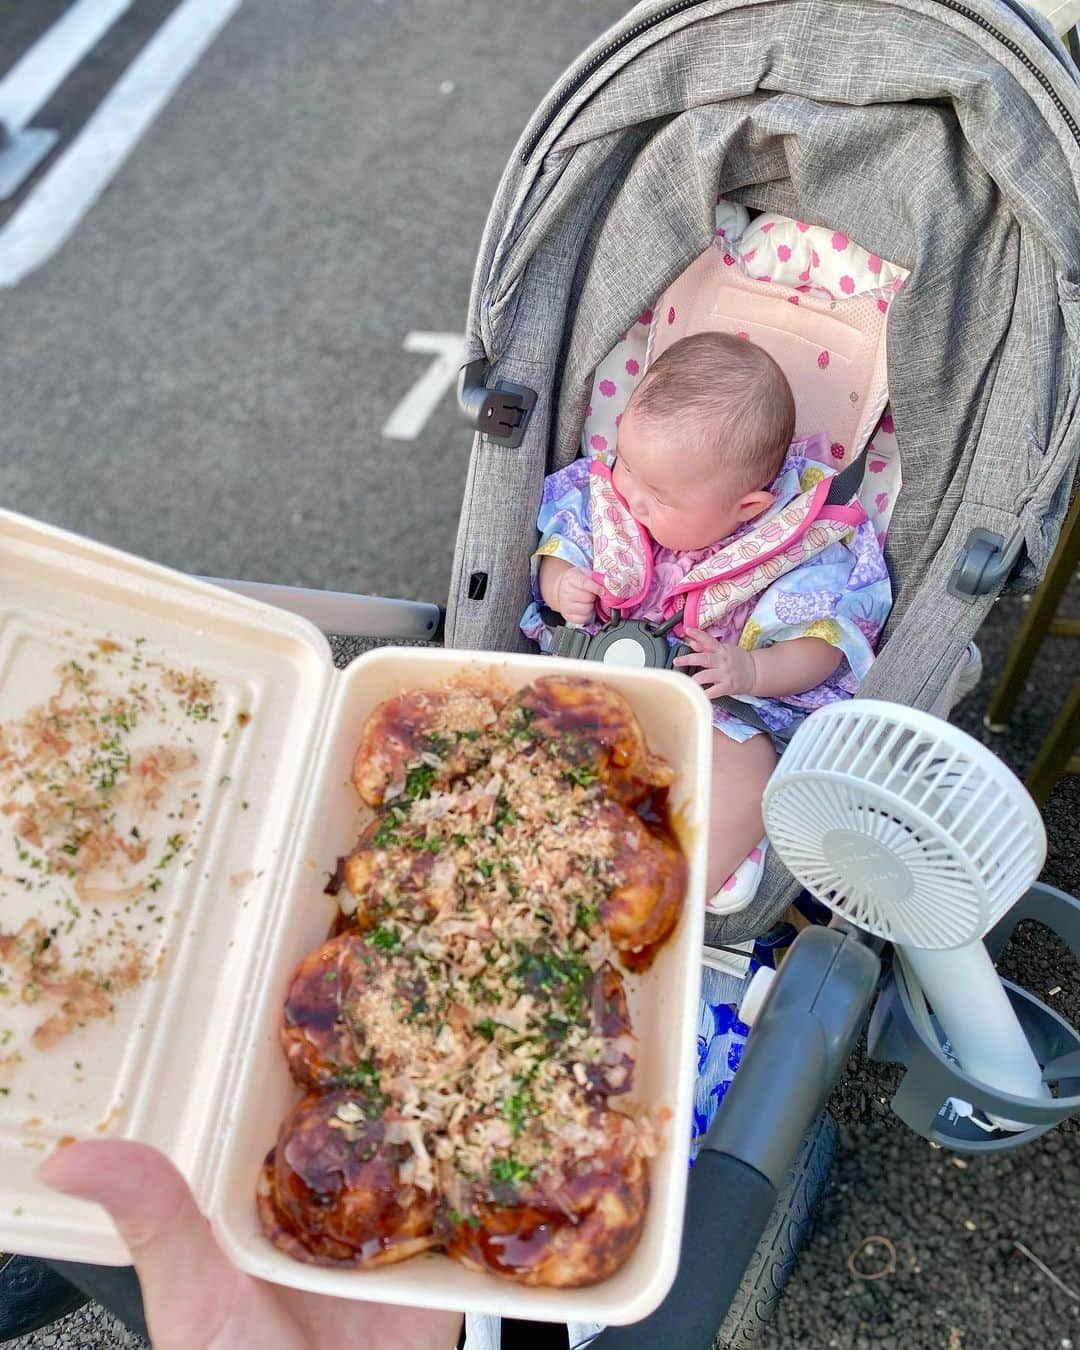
(74, 183)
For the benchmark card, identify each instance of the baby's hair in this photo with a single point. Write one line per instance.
(729, 397)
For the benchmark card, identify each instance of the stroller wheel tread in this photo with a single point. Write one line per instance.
(32, 1296)
(778, 1251)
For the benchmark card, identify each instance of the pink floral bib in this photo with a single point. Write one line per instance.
(740, 568)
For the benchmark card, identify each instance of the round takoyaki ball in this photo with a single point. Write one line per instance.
(594, 726)
(354, 1013)
(613, 1072)
(320, 1043)
(574, 1229)
(445, 725)
(334, 1191)
(391, 878)
(648, 888)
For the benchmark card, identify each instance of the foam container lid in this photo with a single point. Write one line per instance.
(189, 1060)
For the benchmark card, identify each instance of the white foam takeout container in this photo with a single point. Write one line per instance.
(190, 1061)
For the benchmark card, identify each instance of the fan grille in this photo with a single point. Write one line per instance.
(902, 823)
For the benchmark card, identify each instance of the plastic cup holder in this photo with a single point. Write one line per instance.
(936, 1098)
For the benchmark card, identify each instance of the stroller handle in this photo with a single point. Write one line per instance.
(799, 1046)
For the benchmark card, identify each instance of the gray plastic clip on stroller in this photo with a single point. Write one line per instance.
(935, 1096)
(630, 642)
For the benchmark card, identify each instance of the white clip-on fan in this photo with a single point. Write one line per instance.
(915, 832)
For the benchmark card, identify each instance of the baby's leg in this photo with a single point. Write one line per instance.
(740, 771)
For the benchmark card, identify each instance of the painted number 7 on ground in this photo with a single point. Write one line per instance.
(410, 416)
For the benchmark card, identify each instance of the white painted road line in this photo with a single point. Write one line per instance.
(40, 72)
(410, 416)
(74, 183)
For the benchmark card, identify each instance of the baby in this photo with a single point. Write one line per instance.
(702, 511)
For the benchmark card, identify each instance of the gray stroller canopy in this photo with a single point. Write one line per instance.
(943, 136)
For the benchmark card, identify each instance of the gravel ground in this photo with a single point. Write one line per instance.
(88, 1328)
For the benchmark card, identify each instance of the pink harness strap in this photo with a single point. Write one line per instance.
(622, 547)
(623, 552)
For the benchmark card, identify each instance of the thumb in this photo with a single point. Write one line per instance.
(189, 1288)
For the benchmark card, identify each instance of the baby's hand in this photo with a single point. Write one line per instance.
(724, 669)
(575, 595)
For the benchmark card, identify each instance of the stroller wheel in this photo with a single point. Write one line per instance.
(32, 1295)
(787, 1231)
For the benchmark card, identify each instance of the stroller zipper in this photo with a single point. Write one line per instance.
(1023, 58)
(680, 6)
(590, 67)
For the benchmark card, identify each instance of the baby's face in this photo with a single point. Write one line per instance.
(683, 504)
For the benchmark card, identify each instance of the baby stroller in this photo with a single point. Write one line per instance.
(942, 136)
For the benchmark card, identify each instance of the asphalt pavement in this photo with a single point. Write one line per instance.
(200, 376)
(201, 373)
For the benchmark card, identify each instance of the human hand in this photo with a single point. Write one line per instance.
(194, 1297)
(575, 595)
(725, 670)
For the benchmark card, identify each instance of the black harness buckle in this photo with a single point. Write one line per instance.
(621, 642)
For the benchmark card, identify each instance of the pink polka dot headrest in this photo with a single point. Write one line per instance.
(810, 259)
(813, 299)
